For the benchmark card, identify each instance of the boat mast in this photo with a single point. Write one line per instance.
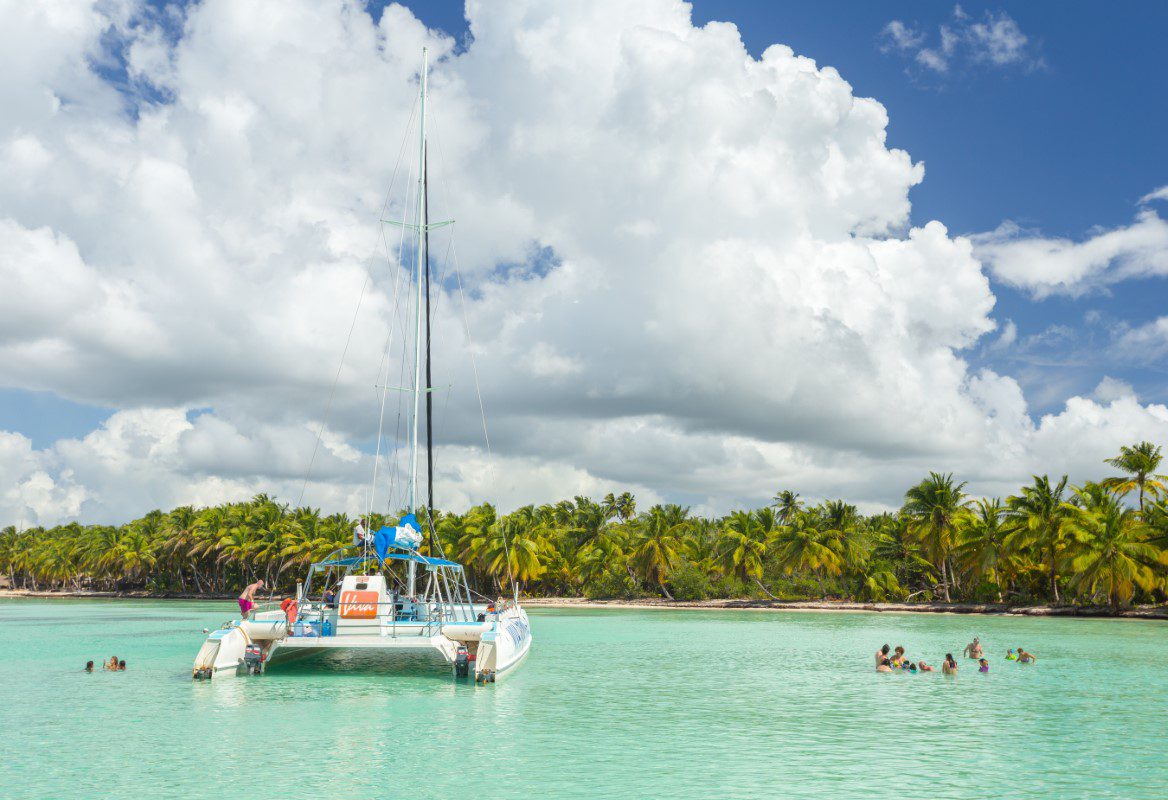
(412, 569)
(429, 376)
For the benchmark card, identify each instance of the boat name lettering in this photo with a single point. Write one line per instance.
(359, 605)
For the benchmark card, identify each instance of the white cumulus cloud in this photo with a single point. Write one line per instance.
(1046, 266)
(689, 272)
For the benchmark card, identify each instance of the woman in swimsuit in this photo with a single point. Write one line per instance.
(884, 666)
(949, 667)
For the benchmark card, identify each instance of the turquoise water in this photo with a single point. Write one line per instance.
(610, 704)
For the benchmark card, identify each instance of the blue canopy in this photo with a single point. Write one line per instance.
(353, 561)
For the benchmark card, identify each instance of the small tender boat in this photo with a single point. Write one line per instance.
(356, 601)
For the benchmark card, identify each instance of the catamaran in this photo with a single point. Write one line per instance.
(355, 601)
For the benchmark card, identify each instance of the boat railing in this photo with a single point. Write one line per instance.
(319, 619)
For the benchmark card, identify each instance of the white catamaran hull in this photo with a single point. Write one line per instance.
(494, 646)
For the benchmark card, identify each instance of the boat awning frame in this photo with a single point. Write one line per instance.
(353, 561)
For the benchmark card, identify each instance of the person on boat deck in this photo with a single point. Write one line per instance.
(882, 654)
(330, 597)
(89, 666)
(360, 535)
(1026, 658)
(949, 666)
(247, 599)
(112, 664)
(288, 606)
(973, 649)
(884, 666)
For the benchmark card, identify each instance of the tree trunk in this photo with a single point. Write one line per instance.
(945, 580)
(664, 590)
(765, 590)
(1054, 576)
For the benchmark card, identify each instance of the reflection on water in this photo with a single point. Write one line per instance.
(612, 704)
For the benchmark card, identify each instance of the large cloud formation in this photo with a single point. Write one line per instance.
(689, 272)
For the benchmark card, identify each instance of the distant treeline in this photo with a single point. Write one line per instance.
(1104, 542)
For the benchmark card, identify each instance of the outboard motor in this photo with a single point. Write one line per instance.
(253, 659)
(462, 663)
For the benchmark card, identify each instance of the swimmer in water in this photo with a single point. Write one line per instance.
(949, 665)
(1026, 658)
(884, 666)
(882, 654)
(897, 656)
(984, 666)
(973, 649)
(1010, 655)
(925, 667)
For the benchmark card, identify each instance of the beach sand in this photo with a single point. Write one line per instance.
(1137, 612)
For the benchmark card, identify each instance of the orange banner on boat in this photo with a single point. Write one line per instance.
(359, 605)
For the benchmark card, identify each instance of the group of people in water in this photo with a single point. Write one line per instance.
(889, 660)
(113, 665)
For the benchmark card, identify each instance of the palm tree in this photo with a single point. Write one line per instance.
(803, 547)
(788, 505)
(744, 544)
(1111, 552)
(982, 542)
(1035, 519)
(1140, 462)
(656, 552)
(934, 507)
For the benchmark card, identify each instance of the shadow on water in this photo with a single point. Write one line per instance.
(359, 663)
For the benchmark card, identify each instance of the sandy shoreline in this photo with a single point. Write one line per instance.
(1140, 612)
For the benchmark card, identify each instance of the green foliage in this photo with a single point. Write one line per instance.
(1104, 542)
(691, 582)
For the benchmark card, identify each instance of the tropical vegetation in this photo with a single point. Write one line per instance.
(1102, 542)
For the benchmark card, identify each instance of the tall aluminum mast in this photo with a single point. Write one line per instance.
(418, 277)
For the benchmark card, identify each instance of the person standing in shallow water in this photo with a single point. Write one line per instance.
(949, 666)
(973, 649)
(247, 599)
(89, 666)
(882, 654)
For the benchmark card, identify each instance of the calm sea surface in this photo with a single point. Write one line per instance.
(610, 704)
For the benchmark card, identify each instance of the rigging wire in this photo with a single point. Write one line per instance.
(356, 314)
(385, 359)
(473, 362)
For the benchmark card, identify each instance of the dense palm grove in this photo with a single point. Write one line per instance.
(1104, 542)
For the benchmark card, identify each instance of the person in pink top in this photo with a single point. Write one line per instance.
(247, 599)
